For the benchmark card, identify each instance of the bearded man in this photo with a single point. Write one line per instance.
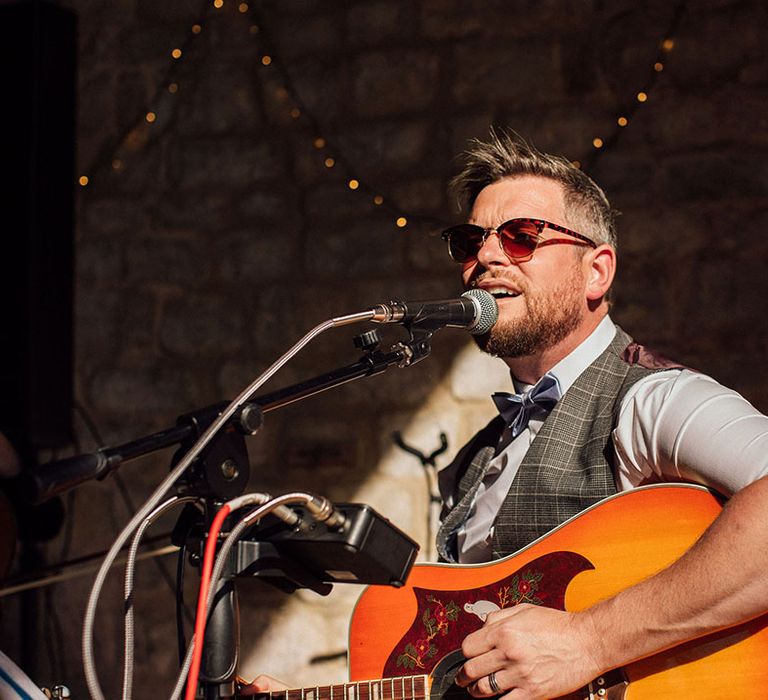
(594, 414)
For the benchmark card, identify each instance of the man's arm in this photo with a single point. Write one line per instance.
(542, 653)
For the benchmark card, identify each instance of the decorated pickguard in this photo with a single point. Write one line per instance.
(444, 618)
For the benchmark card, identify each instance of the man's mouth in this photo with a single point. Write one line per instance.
(501, 292)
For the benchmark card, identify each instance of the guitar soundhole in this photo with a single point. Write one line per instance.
(443, 676)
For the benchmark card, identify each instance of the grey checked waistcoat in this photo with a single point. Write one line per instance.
(569, 465)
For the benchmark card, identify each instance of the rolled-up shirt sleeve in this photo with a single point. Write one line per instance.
(679, 425)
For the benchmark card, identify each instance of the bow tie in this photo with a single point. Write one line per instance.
(537, 402)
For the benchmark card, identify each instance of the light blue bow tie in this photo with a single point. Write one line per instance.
(537, 402)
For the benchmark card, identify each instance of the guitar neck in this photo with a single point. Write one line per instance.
(401, 688)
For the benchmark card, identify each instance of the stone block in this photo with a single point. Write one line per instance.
(513, 73)
(376, 22)
(222, 162)
(397, 81)
(198, 326)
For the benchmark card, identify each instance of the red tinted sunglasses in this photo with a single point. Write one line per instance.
(518, 238)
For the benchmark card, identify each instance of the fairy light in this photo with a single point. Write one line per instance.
(330, 162)
(173, 88)
(176, 53)
(658, 66)
(196, 28)
(668, 44)
(597, 142)
(266, 60)
(319, 142)
(378, 200)
(150, 117)
(243, 7)
(622, 121)
(295, 113)
(218, 4)
(117, 164)
(253, 29)
(353, 184)
(642, 96)
(83, 180)
(401, 222)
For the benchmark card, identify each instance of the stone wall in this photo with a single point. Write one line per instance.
(212, 237)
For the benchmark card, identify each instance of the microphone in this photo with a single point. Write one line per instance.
(476, 311)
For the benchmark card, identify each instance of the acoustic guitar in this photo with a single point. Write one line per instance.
(409, 639)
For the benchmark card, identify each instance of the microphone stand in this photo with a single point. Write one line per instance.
(221, 472)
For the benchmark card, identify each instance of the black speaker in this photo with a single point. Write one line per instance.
(38, 50)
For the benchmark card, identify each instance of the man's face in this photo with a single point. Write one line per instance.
(541, 301)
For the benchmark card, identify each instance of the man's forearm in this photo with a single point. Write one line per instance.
(719, 582)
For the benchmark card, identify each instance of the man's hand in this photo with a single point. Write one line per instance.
(262, 684)
(535, 652)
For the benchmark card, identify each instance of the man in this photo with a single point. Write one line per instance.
(541, 239)
(601, 414)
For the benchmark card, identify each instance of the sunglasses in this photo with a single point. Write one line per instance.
(518, 238)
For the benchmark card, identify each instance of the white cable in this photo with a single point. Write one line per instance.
(130, 569)
(275, 504)
(89, 665)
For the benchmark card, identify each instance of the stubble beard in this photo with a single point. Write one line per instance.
(547, 321)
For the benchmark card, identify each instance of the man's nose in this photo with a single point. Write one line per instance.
(490, 252)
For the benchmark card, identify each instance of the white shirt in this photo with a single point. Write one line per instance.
(673, 425)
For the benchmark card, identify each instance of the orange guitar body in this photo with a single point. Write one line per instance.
(609, 547)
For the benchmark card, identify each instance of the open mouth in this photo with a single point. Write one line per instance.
(502, 292)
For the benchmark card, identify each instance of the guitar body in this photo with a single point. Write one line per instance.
(607, 548)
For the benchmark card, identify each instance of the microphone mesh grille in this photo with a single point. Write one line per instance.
(489, 311)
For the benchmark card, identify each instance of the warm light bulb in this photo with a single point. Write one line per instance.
(668, 44)
(243, 7)
(576, 164)
(378, 199)
(622, 121)
(658, 66)
(83, 180)
(117, 164)
(266, 60)
(150, 117)
(196, 29)
(401, 222)
(597, 142)
(218, 4)
(642, 97)
(295, 112)
(253, 29)
(173, 88)
(176, 53)
(353, 184)
(329, 162)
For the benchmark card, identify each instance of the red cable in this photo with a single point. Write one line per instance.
(202, 597)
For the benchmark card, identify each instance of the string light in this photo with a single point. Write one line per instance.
(83, 180)
(294, 108)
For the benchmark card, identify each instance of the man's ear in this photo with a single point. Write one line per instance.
(601, 268)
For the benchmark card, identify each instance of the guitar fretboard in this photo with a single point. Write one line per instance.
(402, 688)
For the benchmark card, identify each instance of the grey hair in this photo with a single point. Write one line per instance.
(508, 155)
